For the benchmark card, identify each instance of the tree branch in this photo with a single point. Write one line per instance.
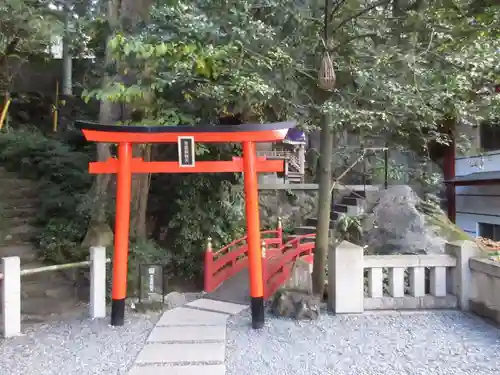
(360, 36)
(336, 8)
(360, 13)
(337, 180)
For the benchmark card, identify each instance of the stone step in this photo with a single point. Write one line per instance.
(20, 193)
(20, 233)
(179, 370)
(187, 333)
(217, 306)
(352, 201)
(20, 220)
(179, 353)
(11, 181)
(333, 216)
(313, 222)
(357, 194)
(187, 317)
(16, 212)
(20, 203)
(349, 210)
(22, 229)
(295, 177)
(305, 230)
(26, 252)
(340, 208)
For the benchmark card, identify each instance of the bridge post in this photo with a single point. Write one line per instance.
(253, 233)
(280, 231)
(207, 269)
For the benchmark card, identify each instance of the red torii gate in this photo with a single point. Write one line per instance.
(186, 137)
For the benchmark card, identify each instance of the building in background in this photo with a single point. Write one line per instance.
(476, 182)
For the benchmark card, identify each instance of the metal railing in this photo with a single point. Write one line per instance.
(365, 152)
(291, 160)
(275, 154)
(56, 267)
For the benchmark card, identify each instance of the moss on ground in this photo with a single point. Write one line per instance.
(446, 228)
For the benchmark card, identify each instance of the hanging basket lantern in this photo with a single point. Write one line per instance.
(326, 76)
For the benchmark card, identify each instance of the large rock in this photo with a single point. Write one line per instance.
(398, 221)
(293, 206)
(296, 304)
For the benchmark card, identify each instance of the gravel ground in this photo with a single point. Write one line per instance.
(82, 347)
(441, 343)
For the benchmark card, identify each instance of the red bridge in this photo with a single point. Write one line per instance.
(226, 276)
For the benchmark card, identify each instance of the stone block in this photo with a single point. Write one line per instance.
(301, 276)
(182, 316)
(462, 287)
(179, 370)
(187, 333)
(345, 278)
(179, 353)
(218, 306)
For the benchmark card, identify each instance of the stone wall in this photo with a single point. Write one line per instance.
(485, 299)
(293, 206)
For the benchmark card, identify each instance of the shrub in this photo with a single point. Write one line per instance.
(62, 171)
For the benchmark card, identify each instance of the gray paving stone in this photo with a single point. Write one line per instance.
(179, 370)
(178, 353)
(220, 306)
(187, 333)
(184, 316)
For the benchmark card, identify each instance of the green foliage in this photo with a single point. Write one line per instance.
(186, 62)
(63, 213)
(349, 228)
(402, 70)
(141, 253)
(203, 206)
(27, 28)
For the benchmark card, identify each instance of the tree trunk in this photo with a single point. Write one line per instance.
(67, 82)
(131, 13)
(99, 232)
(127, 14)
(140, 195)
(324, 205)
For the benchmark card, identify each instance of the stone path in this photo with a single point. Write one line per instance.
(188, 340)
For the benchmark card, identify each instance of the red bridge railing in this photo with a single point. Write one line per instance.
(277, 259)
(277, 265)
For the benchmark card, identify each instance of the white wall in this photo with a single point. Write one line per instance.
(477, 204)
(488, 162)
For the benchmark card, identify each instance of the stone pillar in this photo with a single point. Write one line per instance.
(345, 278)
(97, 305)
(300, 277)
(462, 275)
(11, 296)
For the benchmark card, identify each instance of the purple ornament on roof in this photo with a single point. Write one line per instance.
(295, 136)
